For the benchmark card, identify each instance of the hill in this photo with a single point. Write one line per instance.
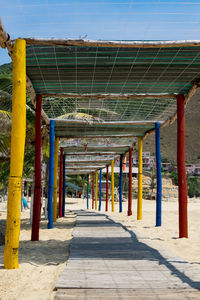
(192, 136)
(6, 68)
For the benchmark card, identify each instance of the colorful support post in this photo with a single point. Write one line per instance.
(182, 181)
(60, 183)
(55, 185)
(37, 185)
(106, 208)
(120, 183)
(64, 183)
(92, 190)
(51, 176)
(96, 190)
(112, 185)
(18, 133)
(159, 177)
(139, 206)
(88, 191)
(100, 176)
(124, 163)
(130, 184)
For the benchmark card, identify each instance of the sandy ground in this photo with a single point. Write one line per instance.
(41, 263)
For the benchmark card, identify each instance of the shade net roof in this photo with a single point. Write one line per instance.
(73, 69)
(109, 95)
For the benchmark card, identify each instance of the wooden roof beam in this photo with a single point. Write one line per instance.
(113, 44)
(111, 96)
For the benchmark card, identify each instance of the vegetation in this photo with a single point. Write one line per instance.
(174, 177)
(5, 129)
(193, 187)
(193, 184)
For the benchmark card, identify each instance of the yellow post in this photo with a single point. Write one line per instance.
(139, 206)
(112, 185)
(18, 134)
(96, 190)
(55, 185)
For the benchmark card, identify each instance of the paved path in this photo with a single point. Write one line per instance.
(107, 261)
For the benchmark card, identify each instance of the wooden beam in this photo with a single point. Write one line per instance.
(112, 44)
(87, 168)
(91, 153)
(59, 122)
(111, 96)
(95, 135)
(106, 148)
(87, 162)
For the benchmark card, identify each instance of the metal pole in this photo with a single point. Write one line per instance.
(120, 183)
(51, 176)
(182, 181)
(106, 188)
(37, 186)
(100, 175)
(130, 184)
(139, 207)
(159, 177)
(64, 183)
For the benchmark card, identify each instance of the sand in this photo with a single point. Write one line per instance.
(41, 263)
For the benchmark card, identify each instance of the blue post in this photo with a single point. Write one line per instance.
(63, 206)
(120, 183)
(159, 178)
(100, 175)
(88, 192)
(51, 176)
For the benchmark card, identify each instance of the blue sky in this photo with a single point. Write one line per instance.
(108, 19)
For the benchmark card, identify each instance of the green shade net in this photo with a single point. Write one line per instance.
(108, 70)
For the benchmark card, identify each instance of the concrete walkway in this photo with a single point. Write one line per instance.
(107, 261)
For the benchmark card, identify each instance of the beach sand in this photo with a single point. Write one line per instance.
(41, 263)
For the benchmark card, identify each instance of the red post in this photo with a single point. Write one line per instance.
(130, 184)
(182, 181)
(106, 188)
(92, 190)
(37, 187)
(60, 182)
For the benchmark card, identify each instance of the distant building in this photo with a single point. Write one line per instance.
(148, 161)
(193, 169)
(197, 169)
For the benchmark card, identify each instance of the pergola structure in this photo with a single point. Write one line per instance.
(98, 99)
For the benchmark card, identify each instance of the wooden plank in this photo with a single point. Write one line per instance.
(125, 294)
(104, 258)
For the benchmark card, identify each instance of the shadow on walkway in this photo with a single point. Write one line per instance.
(127, 247)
